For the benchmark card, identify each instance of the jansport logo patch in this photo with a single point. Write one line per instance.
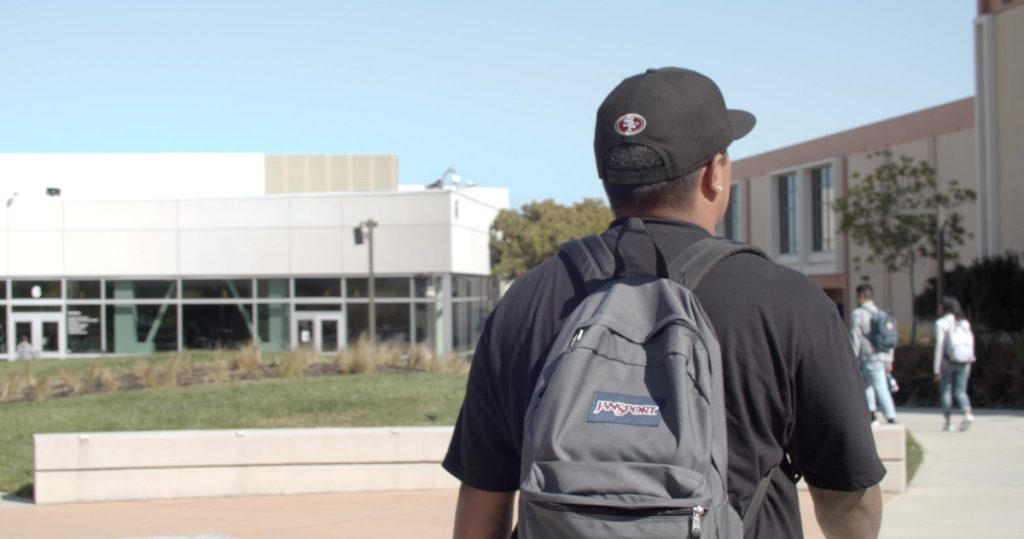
(630, 124)
(624, 409)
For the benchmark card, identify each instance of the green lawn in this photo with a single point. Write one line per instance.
(331, 401)
(915, 456)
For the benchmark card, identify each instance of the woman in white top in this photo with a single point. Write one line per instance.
(954, 353)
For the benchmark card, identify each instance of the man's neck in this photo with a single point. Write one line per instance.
(669, 215)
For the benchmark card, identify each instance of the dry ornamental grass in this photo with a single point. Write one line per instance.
(245, 363)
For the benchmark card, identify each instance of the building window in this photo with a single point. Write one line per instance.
(731, 222)
(35, 289)
(216, 289)
(272, 288)
(128, 290)
(217, 326)
(84, 328)
(822, 195)
(787, 213)
(83, 290)
(141, 329)
(318, 288)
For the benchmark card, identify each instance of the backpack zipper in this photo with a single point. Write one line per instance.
(696, 513)
(576, 338)
(695, 529)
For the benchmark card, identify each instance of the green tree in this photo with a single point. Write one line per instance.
(896, 213)
(522, 239)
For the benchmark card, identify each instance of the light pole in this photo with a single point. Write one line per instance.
(940, 251)
(368, 225)
(940, 283)
(7, 230)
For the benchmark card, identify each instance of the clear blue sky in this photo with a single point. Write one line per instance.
(504, 91)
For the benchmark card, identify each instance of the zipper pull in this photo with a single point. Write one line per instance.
(695, 530)
(576, 338)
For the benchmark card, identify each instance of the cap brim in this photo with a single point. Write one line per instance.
(741, 122)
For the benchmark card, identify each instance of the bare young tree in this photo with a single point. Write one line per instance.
(901, 213)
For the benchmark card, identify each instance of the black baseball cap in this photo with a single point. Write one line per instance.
(678, 113)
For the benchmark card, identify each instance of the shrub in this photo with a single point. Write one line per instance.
(186, 365)
(146, 374)
(106, 380)
(294, 362)
(170, 374)
(997, 377)
(389, 353)
(420, 357)
(247, 359)
(219, 371)
(13, 387)
(991, 291)
(41, 390)
(362, 356)
(71, 381)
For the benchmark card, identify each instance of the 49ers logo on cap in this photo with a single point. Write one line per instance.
(630, 124)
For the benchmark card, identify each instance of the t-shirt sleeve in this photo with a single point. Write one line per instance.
(482, 453)
(831, 444)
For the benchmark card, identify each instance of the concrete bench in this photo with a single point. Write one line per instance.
(113, 466)
(891, 442)
(200, 463)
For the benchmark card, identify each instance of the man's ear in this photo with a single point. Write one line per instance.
(711, 180)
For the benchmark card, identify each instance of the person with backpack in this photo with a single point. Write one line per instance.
(653, 381)
(954, 353)
(874, 337)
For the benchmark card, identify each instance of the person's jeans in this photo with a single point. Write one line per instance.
(954, 383)
(876, 387)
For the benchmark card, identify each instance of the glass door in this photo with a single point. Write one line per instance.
(320, 331)
(37, 335)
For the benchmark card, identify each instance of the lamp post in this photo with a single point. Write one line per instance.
(7, 230)
(368, 225)
(940, 282)
(940, 254)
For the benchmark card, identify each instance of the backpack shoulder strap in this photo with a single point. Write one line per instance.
(694, 263)
(592, 260)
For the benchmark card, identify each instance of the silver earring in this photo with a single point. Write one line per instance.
(719, 188)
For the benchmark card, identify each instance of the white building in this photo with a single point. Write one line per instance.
(85, 275)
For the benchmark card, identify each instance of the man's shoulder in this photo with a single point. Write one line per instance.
(546, 282)
(759, 270)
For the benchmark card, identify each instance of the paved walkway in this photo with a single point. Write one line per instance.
(969, 485)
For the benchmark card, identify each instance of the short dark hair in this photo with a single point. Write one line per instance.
(672, 193)
(865, 290)
(951, 305)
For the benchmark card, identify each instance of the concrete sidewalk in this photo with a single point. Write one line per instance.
(971, 483)
(384, 515)
(968, 486)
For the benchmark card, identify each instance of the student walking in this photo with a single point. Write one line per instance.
(875, 361)
(790, 378)
(954, 353)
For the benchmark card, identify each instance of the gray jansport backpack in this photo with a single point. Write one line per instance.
(625, 432)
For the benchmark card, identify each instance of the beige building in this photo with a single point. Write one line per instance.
(782, 198)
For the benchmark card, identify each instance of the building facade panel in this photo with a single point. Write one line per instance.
(246, 251)
(120, 252)
(427, 249)
(1009, 81)
(35, 252)
(255, 212)
(121, 215)
(320, 211)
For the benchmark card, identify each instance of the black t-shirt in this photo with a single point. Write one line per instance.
(792, 384)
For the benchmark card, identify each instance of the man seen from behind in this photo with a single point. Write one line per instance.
(793, 392)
